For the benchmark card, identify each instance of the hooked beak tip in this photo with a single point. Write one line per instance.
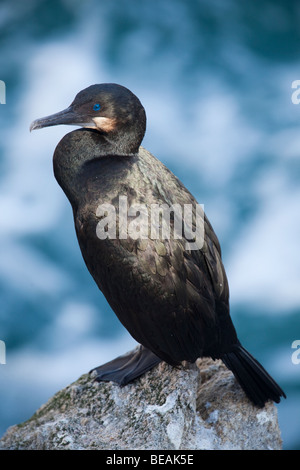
(32, 126)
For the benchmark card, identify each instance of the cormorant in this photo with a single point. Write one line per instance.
(172, 298)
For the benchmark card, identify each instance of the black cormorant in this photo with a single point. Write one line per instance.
(172, 298)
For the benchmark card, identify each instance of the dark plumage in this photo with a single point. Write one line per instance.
(172, 300)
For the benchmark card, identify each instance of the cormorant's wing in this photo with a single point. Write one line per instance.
(162, 294)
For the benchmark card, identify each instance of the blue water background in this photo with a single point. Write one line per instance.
(215, 78)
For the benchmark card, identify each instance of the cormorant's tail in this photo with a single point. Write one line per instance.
(125, 369)
(253, 378)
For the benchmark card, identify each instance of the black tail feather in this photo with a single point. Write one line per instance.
(253, 378)
(125, 369)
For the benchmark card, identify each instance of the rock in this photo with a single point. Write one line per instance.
(187, 408)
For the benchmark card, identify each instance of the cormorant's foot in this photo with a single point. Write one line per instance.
(124, 369)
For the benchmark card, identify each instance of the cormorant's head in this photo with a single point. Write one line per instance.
(111, 109)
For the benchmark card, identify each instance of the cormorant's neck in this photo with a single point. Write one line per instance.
(76, 149)
(121, 143)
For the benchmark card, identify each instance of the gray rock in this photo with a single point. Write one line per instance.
(188, 408)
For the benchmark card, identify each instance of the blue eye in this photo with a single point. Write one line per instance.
(96, 107)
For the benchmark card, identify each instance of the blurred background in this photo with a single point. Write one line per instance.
(215, 77)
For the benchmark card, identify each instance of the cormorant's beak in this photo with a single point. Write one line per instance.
(67, 116)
